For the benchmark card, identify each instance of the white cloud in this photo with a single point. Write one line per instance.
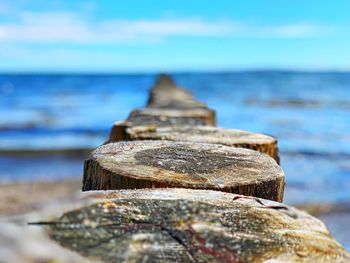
(293, 30)
(70, 28)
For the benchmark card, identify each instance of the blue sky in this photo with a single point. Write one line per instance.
(178, 35)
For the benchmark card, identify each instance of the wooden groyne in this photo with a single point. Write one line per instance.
(167, 105)
(192, 193)
(191, 153)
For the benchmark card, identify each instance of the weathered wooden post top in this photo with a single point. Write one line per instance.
(184, 225)
(206, 134)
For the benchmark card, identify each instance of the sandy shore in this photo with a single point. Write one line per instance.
(30, 202)
(27, 197)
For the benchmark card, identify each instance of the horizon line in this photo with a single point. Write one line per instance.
(174, 71)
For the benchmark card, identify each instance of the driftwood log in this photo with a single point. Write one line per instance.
(237, 138)
(149, 164)
(184, 225)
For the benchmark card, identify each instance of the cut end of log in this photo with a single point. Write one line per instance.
(156, 164)
(183, 225)
(237, 138)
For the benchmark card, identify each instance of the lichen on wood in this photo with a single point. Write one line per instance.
(184, 225)
(149, 164)
(205, 134)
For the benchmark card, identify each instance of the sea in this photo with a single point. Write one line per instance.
(50, 122)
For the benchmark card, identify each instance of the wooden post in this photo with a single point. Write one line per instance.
(237, 138)
(184, 225)
(149, 164)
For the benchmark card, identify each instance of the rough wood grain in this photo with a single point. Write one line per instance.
(162, 117)
(165, 94)
(183, 225)
(237, 138)
(149, 164)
